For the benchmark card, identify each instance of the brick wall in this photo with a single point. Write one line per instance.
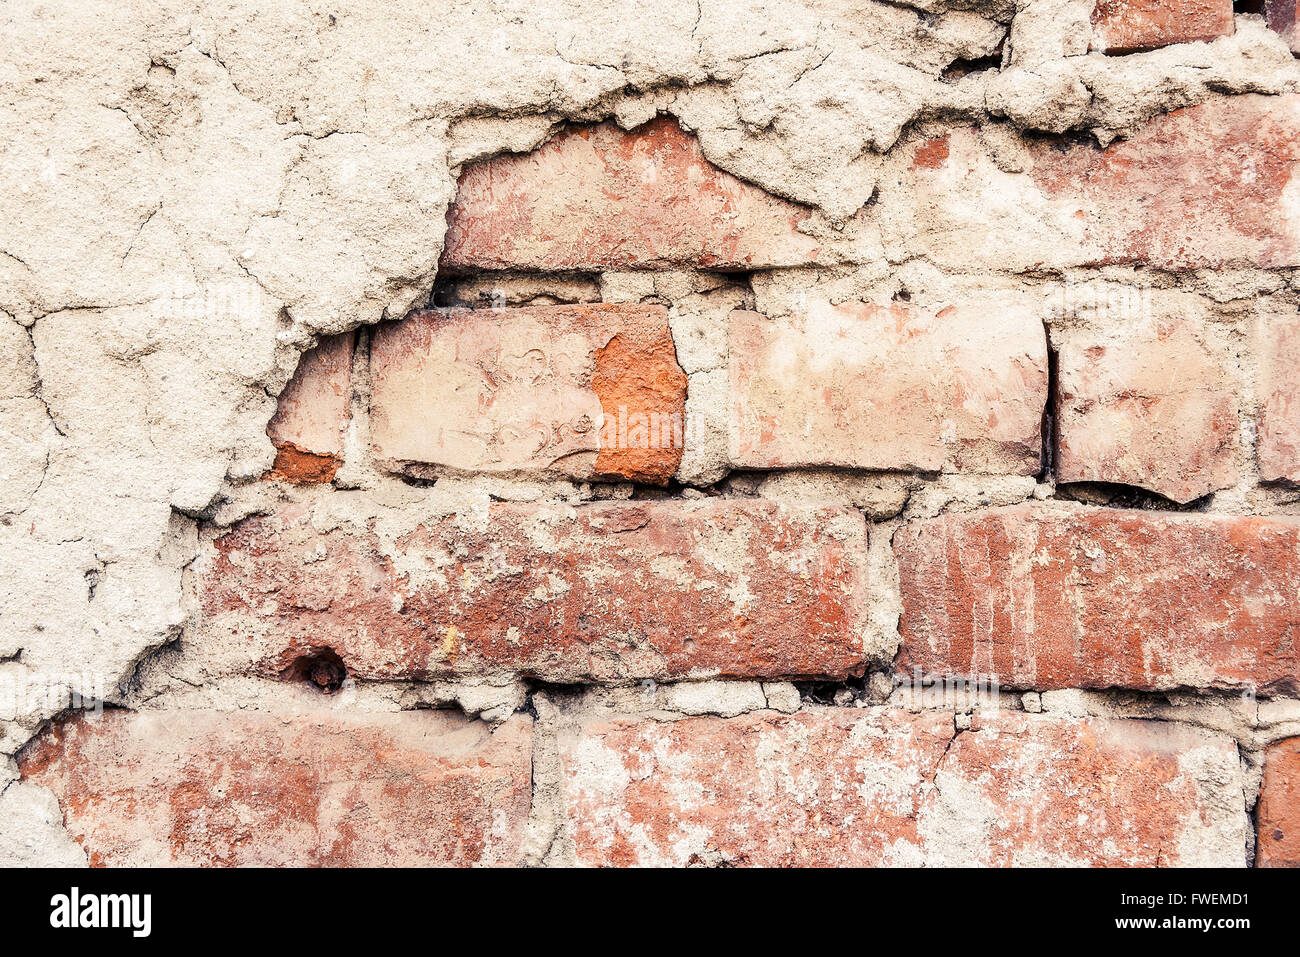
(673, 530)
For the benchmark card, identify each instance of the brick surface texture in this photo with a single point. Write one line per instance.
(777, 435)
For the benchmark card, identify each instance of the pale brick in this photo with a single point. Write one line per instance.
(958, 388)
(1152, 404)
(584, 391)
(1279, 391)
(312, 413)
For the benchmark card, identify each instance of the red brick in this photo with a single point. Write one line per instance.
(862, 386)
(1043, 597)
(837, 787)
(1277, 835)
(1204, 187)
(1150, 405)
(312, 414)
(1279, 391)
(1281, 16)
(240, 788)
(605, 591)
(601, 198)
(1123, 26)
(585, 391)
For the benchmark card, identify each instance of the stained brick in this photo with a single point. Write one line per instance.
(959, 388)
(1279, 390)
(885, 787)
(1277, 837)
(312, 413)
(583, 391)
(1151, 405)
(1123, 26)
(600, 592)
(1203, 187)
(601, 198)
(1043, 597)
(240, 788)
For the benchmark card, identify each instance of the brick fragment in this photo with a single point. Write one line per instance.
(1277, 835)
(960, 388)
(832, 787)
(602, 198)
(246, 788)
(610, 591)
(584, 391)
(1124, 26)
(1152, 405)
(312, 414)
(1042, 597)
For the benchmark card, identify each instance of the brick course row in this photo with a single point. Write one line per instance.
(595, 391)
(826, 786)
(1032, 596)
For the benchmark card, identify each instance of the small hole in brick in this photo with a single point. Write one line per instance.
(322, 668)
(1278, 835)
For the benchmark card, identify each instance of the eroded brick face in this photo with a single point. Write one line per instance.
(1043, 597)
(1123, 26)
(600, 592)
(836, 786)
(242, 788)
(1277, 836)
(600, 198)
(1154, 406)
(827, 387)
(312, 414)
(582, 391)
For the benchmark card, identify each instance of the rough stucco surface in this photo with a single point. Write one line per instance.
(191, 195)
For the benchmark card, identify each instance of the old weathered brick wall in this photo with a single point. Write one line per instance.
(731, 433)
